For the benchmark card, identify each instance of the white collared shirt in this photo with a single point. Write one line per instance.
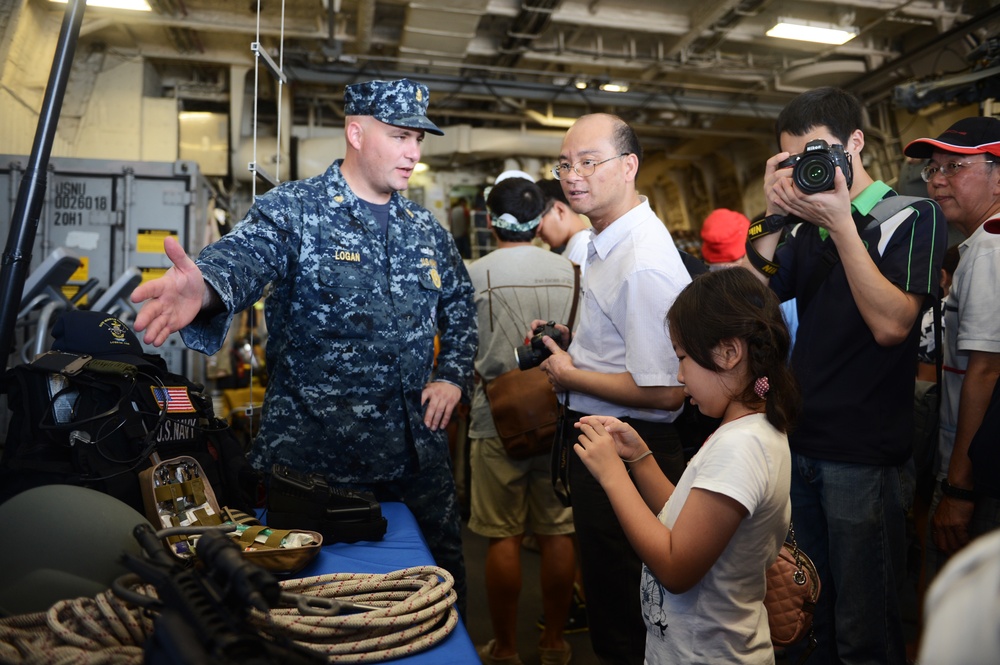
(633, 275)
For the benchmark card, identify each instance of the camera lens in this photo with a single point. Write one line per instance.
(525, 357)
(814, 174)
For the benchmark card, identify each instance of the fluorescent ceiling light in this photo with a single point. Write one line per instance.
(613, 86)
(812, 31)
(135, 5)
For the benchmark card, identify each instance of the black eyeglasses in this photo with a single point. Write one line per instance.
(583, 168)
(947, 170)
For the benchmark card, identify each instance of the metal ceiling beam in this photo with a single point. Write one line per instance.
(702, 19)
(497, 88)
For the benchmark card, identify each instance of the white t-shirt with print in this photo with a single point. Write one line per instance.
(722, 618)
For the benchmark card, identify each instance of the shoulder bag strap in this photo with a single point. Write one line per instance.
(576, 297)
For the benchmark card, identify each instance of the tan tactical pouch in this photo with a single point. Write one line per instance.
(176, 493)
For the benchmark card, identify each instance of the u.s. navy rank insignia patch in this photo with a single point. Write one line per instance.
(432, 271)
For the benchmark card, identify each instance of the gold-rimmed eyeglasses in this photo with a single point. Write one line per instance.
(583, 168)
(947, 170)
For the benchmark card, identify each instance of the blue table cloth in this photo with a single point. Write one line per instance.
(402, 547)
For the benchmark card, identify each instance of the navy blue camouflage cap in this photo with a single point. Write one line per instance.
(402, 103)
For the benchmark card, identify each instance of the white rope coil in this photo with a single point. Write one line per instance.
(415, 611)
(83, 631)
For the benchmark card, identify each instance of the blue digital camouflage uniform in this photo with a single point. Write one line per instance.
(351, 321)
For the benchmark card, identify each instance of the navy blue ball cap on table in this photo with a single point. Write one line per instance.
(402, 103)
(98, 334)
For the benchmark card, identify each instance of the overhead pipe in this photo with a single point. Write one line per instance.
(365, 26)
(332, 44)
(31, 192)
(339, 75)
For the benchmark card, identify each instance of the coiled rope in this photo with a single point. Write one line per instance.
(414, 611)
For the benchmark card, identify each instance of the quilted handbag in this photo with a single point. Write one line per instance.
(793, 588)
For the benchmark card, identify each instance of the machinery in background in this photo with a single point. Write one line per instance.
(980, 83)
(112, 217)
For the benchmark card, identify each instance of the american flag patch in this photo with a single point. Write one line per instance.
(176, 398)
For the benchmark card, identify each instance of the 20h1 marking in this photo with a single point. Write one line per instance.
(68, 219)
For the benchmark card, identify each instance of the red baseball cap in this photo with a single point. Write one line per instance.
(968, 136)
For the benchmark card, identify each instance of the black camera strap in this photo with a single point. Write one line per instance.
(559, 457)
(763, 227)
(881, 212)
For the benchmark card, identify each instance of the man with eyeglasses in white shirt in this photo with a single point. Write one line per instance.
(620, 361)
(963, 176)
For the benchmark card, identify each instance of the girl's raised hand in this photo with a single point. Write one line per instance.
(627, 442)
(604, 441)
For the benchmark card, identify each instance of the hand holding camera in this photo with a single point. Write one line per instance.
(535, 352)
(815, 168)
(811, 195)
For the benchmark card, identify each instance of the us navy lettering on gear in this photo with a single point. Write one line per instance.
(176, 430)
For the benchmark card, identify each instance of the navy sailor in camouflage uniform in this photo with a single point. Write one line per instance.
(362, 280)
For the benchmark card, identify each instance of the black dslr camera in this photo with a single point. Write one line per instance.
(305, 501)
(816, 166)
(534, 352)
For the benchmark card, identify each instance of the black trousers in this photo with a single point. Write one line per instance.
(611, 569)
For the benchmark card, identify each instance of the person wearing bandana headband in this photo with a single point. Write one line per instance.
(515, 283)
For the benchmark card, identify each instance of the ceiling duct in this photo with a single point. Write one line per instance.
(365, 26)
(442, 30)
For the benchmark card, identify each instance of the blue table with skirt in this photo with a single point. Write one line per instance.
(402, 547)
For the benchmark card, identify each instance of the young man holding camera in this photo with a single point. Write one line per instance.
(860, 287)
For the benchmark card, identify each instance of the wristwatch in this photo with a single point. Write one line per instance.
(956, 492)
